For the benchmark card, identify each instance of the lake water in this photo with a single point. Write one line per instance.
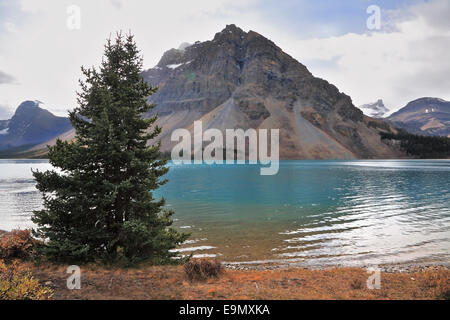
(310, 213)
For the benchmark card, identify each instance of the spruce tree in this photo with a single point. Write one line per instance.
(98, 203)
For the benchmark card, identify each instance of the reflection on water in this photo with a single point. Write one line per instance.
(312, 212)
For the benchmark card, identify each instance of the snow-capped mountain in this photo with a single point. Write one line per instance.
(375, 110)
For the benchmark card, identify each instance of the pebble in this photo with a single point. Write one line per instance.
(384, 268)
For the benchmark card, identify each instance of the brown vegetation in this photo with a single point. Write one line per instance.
(202, 269)
(17, 283)
(17, 244)
(204, 279)
(170, 282)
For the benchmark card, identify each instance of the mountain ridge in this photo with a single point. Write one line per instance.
(31, 125)
(424, 116)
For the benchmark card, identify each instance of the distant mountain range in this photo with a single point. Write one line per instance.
(31, 125)
(424, 116)
(375, 110)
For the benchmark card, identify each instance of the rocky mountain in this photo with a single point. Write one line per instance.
(424, 116)
(31, 125)
(375, 110)
(243, 80)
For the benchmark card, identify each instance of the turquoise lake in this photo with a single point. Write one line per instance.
(312, 213)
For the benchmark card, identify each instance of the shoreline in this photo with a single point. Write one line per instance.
(386, 268)
(278, 266)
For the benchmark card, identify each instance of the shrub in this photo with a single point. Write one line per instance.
(445, 295)
(357, 284)
(18, 244)
(203, 269)
(16, 284)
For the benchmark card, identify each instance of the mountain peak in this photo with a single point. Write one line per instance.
(428, 100)
(29, 104)
(230, 31)
(375, 110)
(230, 28)
(31, 125)
(244, 80)
(27, 107)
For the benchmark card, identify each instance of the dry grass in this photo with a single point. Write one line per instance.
(169, 282)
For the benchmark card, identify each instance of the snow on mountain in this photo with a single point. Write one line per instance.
(375, 110)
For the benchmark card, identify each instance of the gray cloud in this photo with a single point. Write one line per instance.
(6, 78)
(116, 3)
(436, 15)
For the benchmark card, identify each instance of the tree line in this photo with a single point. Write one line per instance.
(423, 147)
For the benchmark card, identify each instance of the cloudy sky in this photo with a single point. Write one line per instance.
(408, 57)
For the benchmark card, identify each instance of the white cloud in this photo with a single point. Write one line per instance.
(399, 66)
(44, 56)
(5, 113)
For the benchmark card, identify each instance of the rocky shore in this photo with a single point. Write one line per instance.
(388, 268)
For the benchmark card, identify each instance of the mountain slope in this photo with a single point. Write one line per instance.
(243, 80)
(424, 116)
(31, 125)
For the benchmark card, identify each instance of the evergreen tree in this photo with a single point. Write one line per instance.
(98, 205)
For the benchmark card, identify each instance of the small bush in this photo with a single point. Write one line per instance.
(357, 284)
(203, 269)
(16, 284)
(18, 244)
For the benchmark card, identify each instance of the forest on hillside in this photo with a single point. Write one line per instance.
(423, 147)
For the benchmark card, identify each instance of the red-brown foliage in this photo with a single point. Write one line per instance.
(18, 244)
